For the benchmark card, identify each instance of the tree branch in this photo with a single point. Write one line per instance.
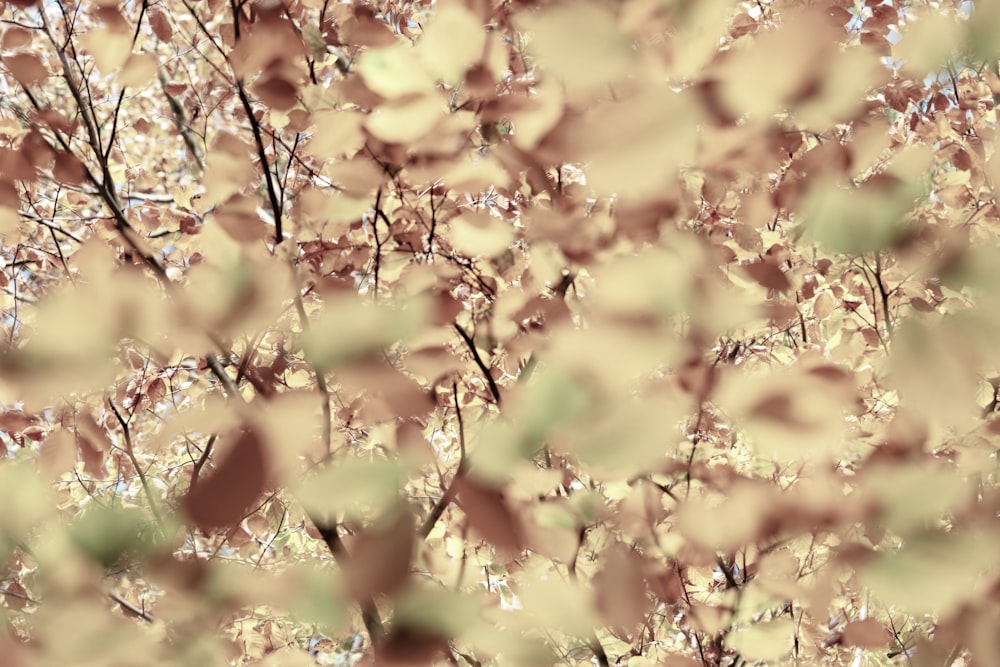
(449, 494)
(130, 452)
(329, 532)
(479, 362)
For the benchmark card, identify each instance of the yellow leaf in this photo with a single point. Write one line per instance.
(405, 122)
(452, 43)
(394, 71)
(355, 486)
(929, 39)
(228, 168)
(480, 233)
(636, 144)
(580, 44)
(763, 641)
(349, 329)
(933, 574)
(559, 603)
(139, 71)
(476, 176)
(337, 133)
(109, 48)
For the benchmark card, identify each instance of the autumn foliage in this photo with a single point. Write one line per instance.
(491, 332)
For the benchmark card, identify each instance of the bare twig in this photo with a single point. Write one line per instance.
(328, 531)
(471, 344)
(449, 494)
(130, 452)
(200, 463)
(130, 608)
(324, 390)
(272, 194)
(593, 642)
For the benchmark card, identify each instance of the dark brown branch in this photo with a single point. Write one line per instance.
(378, 242)
(130, 608)
(130, 452)
(51, 225)
(202, 460)
(479, 362)
(727, 572)
(430, 236)
(369, 612)
(272, 195)
(883, 292)
(328, 531)
(324, 390)
(593, 642)
(105, 187)
(449, 494)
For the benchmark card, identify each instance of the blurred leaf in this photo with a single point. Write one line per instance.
(113, 537)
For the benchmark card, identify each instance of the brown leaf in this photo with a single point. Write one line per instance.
(93, 458)
(15, 37)
(27, 68)
(184, 573)
(224, 497)
(160, 24)
(830, 372)
(364, 29)
(15, 595)
(276, 92)
(93, 442)
(239, 218)
(156, 391)
(15, 165)
(697, 378)
(489, 514)
(380, 557)
(778, 407)
(68, 169)
(409, 646)
(57, 454)
(13, 421)
(868, 633)
(769, 275)
(667, 586)
(621, 589)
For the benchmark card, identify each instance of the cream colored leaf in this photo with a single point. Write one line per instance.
(109, 48)
(405, 122)
(452, 42)
(763, 641)
(580, 44)
(139, 71)
(394, 71)
(338, 133)
(481, 234)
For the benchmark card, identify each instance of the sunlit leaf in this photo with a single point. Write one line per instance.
(394, 71)
(452, 42)
(109, 48)
(580, 45)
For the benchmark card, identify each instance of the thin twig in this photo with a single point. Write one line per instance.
(130, 608)
(200, 463)
(328, 531)
(449, 494)
(130, 452)
(479, 362)
(593, 642)
(324, 390)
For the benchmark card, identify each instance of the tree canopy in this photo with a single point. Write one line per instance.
(496, 332)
